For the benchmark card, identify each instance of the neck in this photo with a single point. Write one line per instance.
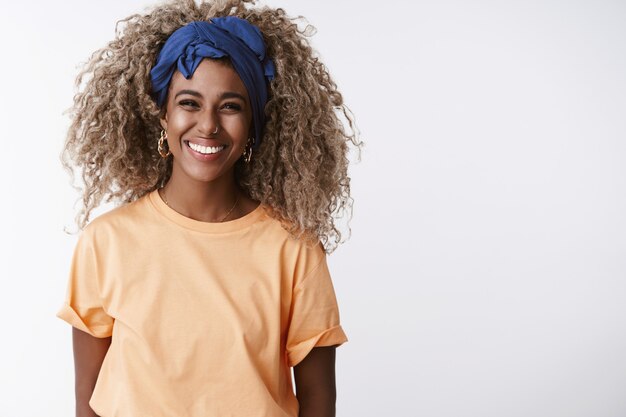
(199, 200)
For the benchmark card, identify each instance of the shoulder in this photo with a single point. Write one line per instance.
(302, 252)
(118, 221)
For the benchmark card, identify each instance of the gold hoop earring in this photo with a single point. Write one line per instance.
(247, 152)
(161, 145)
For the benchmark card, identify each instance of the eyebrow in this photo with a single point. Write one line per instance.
(190, 92)
(224, 95)
(232, 94)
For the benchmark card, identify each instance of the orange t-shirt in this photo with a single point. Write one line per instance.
(206, 318)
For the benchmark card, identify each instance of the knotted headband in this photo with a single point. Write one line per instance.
(224, 36)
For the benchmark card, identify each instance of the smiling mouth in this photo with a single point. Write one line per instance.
(205, 150)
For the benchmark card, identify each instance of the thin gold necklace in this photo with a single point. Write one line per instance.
(219, 221)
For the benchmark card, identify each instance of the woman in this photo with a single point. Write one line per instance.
(217, 128)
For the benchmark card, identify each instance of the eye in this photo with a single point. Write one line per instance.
(232, 106)
(188, 103)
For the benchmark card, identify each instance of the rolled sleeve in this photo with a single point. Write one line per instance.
(314, 319)
(83, 307)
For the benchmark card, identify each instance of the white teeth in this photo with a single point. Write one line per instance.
(205, 149)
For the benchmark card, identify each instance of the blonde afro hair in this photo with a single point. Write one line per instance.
(300, 169)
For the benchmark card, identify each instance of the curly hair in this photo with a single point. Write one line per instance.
(300, 168)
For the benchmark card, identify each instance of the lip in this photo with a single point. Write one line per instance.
(204, 142)
(202, 157)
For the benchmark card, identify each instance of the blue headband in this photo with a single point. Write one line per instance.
(224, 36)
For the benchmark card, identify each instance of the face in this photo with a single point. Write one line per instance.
(213, 98)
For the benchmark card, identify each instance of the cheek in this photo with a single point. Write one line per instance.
(243, 128)
(240, 126)
(178, 122)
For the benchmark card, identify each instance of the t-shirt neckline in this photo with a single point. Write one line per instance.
(206, 227)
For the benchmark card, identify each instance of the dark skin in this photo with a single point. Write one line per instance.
(211, 109)
(314, 376)
(315, 383)
(89, 353)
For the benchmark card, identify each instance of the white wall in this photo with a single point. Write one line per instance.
(486, 275)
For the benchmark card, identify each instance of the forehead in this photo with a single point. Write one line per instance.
(211, 76)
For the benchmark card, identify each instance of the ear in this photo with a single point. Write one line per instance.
(251, 131)
(163, 120)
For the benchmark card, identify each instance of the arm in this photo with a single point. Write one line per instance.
(315, 383)
(89, 353)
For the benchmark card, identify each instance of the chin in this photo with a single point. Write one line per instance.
(210, 176)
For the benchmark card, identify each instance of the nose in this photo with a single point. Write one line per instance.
(208, 123)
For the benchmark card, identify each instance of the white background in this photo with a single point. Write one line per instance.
(486, 274)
